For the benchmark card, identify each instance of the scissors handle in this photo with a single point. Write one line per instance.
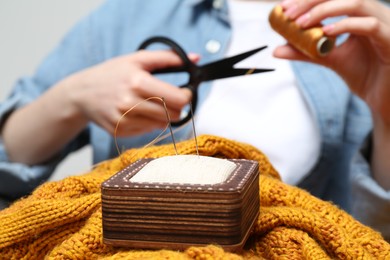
(187, 66)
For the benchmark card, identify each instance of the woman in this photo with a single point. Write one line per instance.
(303, 116)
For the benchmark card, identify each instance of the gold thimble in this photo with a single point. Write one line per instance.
(312, 41)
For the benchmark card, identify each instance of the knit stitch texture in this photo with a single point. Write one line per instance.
(63, 219)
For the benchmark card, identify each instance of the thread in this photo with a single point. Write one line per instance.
(250, 71)
(194, 130)
(169, 124)
(312, 41)
(161, 136)
(156, 139)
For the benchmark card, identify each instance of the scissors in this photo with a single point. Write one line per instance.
(197, 74)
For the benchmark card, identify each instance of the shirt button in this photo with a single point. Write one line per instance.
(213, 46)
(217, 4)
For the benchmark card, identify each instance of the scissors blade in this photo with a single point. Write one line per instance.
(224, 68)
(233, 73)
(230, 61)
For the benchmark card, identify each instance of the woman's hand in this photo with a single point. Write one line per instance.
(100, 94)
(105, 92)
(363, 60)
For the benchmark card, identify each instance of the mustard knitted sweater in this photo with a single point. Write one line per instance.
(63, 220)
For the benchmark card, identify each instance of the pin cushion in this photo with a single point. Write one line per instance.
(174, 207)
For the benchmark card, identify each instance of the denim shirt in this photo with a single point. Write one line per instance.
(118, 27)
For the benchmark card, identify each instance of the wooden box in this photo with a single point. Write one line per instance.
(176, 216)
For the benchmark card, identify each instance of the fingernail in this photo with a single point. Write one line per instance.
(194, 56)
(287, 3)
(187, 93)
(303, 19)
(290, 11)
(328, 28)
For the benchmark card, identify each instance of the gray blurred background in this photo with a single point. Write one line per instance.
(28, 31)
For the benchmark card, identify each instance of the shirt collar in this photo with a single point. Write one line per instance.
(218, 6)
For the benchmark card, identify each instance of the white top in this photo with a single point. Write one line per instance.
(266, 110)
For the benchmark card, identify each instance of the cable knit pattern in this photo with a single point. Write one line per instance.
(63, 220)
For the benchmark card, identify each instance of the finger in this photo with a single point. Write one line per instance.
(194, 57)
(314, 15)
(370, 27)
(146, 85)
(138, 125)
(290, 53)
(363, 26)
(153, 108)
(156, 111)
(153, 60)
(295, 8)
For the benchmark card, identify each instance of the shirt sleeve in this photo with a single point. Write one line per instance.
(370, 202)
(17, 180)
(78, 50)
